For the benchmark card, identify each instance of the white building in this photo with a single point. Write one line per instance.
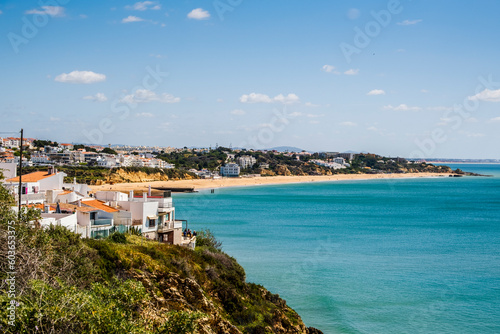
(40, 158)
(107, 161)
(8, 169)
(66, 220)
(339, 160)
(230, 170)
(35, 185)
(246, 161)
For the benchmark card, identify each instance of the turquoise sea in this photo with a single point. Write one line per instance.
(377, 256)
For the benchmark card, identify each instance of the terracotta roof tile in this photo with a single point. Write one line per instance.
(31, 177)
(99, 205)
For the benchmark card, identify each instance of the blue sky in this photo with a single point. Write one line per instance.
(400, 78)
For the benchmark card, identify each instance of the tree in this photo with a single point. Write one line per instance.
(109, 151)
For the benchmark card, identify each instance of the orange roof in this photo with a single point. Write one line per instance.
(85, 209)
(35, 206)
(66, 192)
(31, 177)
(99, 205)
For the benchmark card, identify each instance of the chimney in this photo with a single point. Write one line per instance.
(49, 170)
(145, 196)
(149, 190)
(131, 196)
(79, 203)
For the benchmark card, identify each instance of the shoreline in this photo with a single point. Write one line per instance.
(199, 184)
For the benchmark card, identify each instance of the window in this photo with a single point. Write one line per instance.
(152, 222)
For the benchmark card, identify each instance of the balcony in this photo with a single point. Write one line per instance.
(165, 205)
(169, 226)
(101, 222)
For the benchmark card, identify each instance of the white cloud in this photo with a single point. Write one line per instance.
(372, 128)
(255, 98)
(352, 71)
(409, 22)
(83, 77)
(1, 12)
(144, 5)
(220, 100)
(494, 119)
(328, 68)
(164, 125)
(238, 112)
(311, 105)
(314, 115)
(376, 92)
(198, 14)
(99, 97)
(400, 50)
(424, 91)
(262, 98)
(132, 18)
(289, 99)
(159, 56)
(443, 121)
(348, 123)
(487, 95)
(145, 96)
(54, 119)
(472, 120)
(472, 134)
(144, 114)
(54, 11)
(314, 122)
(402, 107)
(83, 16)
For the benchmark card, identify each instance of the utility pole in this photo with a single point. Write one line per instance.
(20, 173)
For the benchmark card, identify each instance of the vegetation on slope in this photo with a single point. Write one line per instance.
(126, 284)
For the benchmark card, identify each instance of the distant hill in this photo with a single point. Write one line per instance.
(285, 149)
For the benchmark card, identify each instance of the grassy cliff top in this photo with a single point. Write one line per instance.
(126, 284)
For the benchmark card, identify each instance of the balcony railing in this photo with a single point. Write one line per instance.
(101, 222)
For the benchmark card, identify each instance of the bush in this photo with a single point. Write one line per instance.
(181, 323)
(205, 238)
(118, 237)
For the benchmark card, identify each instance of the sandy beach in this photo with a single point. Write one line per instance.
(255, 181)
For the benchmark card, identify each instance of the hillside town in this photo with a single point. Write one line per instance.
(231, 162)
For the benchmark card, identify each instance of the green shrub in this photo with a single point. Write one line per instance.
(205, 238)
(181, 323)
(118, 237)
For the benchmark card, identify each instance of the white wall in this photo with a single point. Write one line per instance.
(111, 196)
(9, 169)
(54, 182)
